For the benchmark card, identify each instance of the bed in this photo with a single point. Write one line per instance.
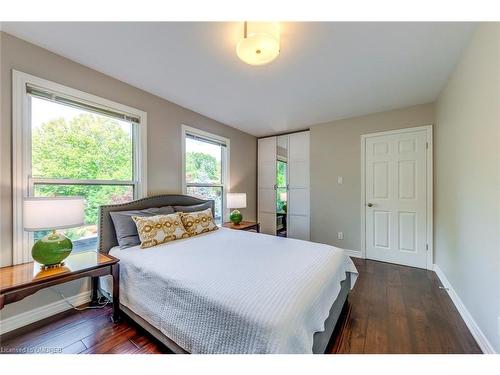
(230, 291)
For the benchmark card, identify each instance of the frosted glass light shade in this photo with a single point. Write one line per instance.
(236, 200)
(44, 213)
(260, 43)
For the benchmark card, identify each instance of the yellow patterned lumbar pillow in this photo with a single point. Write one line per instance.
(198, 222)
(154, 230)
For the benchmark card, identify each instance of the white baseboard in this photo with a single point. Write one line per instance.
(354, 253)
(42, 312)
(474, 329)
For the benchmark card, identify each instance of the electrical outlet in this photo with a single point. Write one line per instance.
(340, 235)
(340, 180)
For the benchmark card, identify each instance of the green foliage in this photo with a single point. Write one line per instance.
(281, 173)
(201, 167)
(86, 147)
(281, 183)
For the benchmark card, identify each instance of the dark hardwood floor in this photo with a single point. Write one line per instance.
(392, 309)
(398, 309)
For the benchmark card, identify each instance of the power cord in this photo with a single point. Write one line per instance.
(100, 305)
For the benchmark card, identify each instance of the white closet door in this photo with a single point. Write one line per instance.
(266, 184)
(298, 186)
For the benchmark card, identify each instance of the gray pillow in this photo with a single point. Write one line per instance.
(193, 208)
(125, 228)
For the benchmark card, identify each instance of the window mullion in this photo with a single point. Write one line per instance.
(201, 184)
(69, 181)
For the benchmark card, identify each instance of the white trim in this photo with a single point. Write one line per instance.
(397, 131)
(430, 199)
(363, 198)
(429, 205)
(42, 312)
(473, 327)
(21, 157)
(226, 164)
(354, 253)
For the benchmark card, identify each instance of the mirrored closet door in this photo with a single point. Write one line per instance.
(283, 185)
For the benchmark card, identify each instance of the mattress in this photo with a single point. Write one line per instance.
(232, 291)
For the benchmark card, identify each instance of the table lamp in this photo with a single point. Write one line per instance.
(47, 213)
(236, 200)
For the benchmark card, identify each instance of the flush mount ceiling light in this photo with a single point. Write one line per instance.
(260, 43)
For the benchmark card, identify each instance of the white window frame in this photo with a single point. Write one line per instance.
(225, 161)
(22, 181)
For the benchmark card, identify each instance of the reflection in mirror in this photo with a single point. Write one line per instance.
(281, 184)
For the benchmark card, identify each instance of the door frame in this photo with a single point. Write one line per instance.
(429, 185)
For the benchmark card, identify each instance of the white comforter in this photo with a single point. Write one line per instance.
(233, 291)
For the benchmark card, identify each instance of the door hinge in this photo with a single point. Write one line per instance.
(427, 247)
(426, 144)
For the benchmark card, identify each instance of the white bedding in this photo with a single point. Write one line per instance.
(232, 291)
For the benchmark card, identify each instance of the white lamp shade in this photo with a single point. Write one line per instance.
(236, 200)
(46, 213)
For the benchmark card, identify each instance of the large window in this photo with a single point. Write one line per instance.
(74, 144)
(205, 166)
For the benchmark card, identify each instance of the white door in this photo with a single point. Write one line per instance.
(396, 197)
(266, 185)
(298, 186)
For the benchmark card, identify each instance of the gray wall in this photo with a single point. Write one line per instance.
(164, 132)
(336, 151)
(467, 180)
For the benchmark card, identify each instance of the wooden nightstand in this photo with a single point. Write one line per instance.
(244, 225)
(23, 280)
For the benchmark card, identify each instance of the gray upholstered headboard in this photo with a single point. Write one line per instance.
(107, 235)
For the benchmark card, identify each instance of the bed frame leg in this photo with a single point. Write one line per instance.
(115, 272)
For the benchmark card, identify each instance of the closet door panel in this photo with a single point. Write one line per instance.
(267, 201)
(267, 149)
(267, 223)
(298, 147)
(299, 202)
(267, 173)
(266, 180)
(299, 227)
(299, 175)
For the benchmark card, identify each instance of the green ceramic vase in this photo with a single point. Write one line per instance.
(235, 217)
(52, 249)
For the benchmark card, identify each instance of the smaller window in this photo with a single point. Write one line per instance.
(205, 166)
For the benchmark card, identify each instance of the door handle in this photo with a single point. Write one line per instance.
(370, 205)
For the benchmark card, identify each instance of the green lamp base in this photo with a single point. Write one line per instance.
(52, 249)
(235, 217)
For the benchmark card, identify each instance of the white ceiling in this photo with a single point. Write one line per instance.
(326, 71)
